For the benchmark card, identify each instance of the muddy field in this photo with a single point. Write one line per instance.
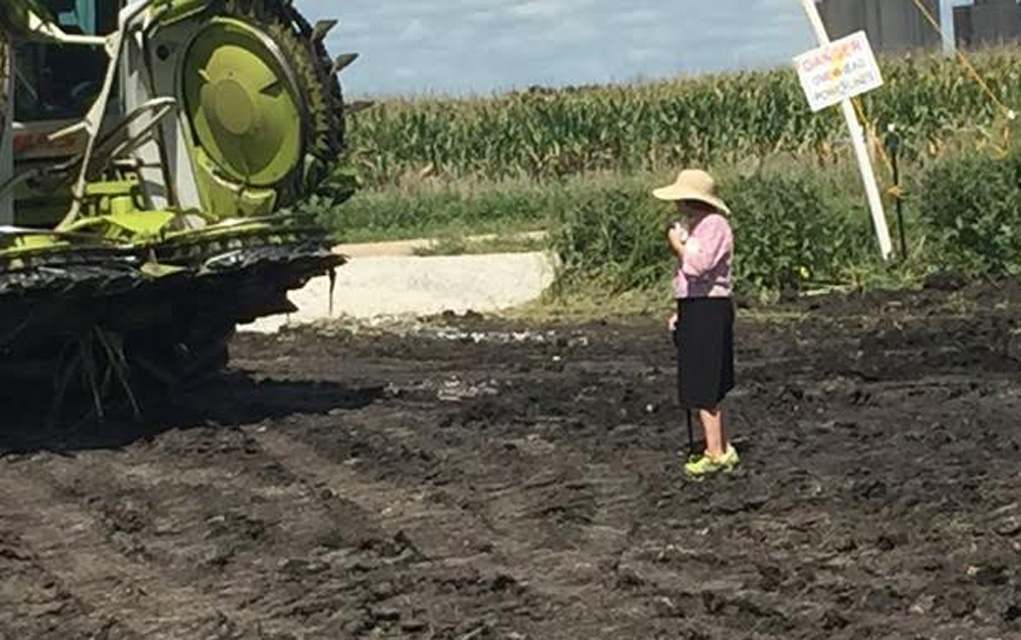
(474, 480)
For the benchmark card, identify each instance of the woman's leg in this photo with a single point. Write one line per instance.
(715, 437)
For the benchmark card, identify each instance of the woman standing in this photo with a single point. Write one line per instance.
(703, 324)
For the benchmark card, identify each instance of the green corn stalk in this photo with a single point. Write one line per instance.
(550, 134)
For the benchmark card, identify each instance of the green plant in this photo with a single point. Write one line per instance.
(788, 234)
(438, 209)
(614, 234)
(973, 205)
(710, 120)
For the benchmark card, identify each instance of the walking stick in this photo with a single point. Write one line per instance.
(691, 432)
(691, 437)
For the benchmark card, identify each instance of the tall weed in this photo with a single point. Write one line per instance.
(787, 236)
(973, 204)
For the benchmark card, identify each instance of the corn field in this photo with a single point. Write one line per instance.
(547, 134)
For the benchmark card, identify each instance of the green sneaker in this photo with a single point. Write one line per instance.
(730, 458)
(707, 465)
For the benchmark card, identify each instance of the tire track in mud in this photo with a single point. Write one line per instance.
(34, 603)
(328, 571)
(438, 546)
(557, 526)
(508, 518)
(240, 526)
(393, 508)
(240, 532)
(65, 539)
(552, 480)
(439, 529)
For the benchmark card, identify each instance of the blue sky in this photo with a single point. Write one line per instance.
(484, 46)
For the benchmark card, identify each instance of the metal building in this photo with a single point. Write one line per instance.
(987, 22)
(892, 25)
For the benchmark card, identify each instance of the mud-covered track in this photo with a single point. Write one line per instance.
(518, 482)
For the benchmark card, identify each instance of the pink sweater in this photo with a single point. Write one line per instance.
(705, 271)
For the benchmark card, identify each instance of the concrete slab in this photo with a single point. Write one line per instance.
(369, 287)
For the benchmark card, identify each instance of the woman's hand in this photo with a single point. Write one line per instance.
(671, 322)
(676, 236)
(676, 231)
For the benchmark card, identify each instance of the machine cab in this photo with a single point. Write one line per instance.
(52, 86)
(227, 109)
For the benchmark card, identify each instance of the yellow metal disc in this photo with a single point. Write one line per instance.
(243, 107)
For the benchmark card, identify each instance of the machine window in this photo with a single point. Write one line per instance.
(59, 82)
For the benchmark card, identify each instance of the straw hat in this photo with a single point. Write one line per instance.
(693, 184)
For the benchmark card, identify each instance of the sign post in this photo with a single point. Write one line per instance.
(834, 73)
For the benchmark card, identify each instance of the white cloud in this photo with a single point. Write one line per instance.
(544, 9)
(485, 45)
(351, 27)
(645, 55)
(484, 16)
(414, 31)
(636, 17)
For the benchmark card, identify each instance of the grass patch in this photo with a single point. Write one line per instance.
(433, 209)
(592, 303)
(498, 243)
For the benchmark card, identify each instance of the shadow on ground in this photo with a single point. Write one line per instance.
(236, 398)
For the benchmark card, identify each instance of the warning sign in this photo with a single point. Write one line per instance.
(838, 71)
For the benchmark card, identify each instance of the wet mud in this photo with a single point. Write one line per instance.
(472, 479)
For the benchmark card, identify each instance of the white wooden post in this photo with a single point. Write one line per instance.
(868, 176)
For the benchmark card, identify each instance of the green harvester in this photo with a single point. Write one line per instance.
(154, 155)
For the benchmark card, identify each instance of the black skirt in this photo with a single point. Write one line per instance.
(705, 351)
